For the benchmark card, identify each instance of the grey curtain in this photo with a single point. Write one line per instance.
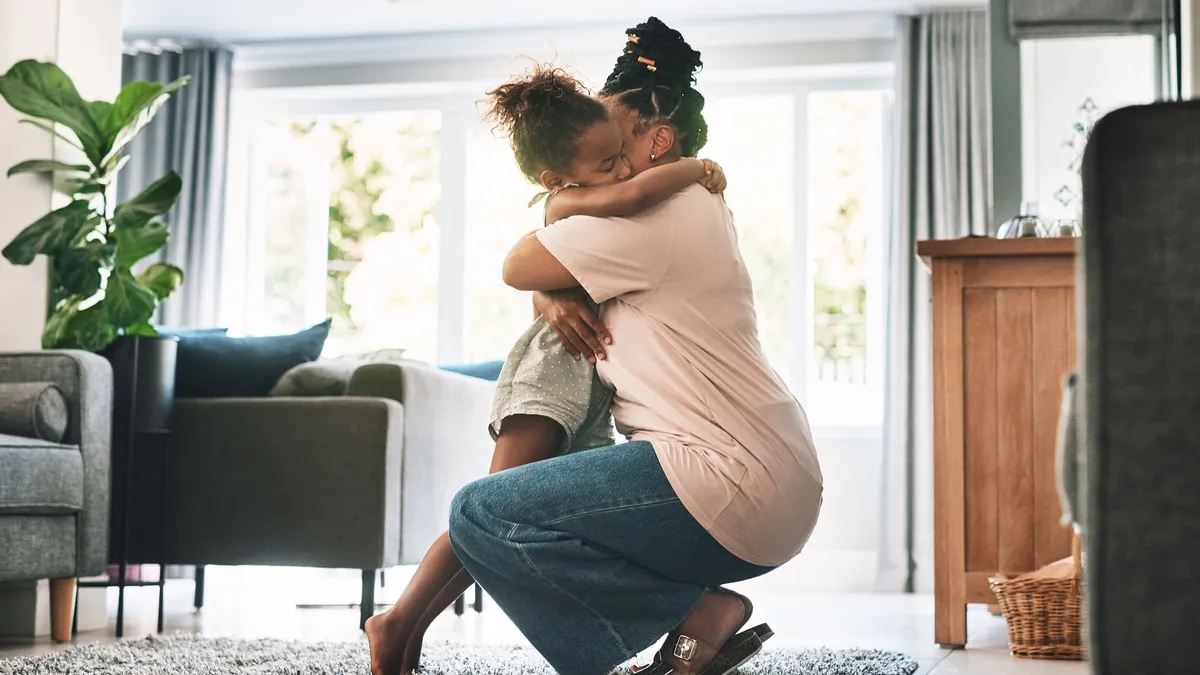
(191, 136)
(943, 189)
(1074, 18)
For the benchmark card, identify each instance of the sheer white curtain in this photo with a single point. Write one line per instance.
(943, 187)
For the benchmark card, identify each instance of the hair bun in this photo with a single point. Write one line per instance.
(655, 55)
(534, 95)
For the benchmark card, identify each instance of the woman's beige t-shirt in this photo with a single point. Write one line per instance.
(689, 373)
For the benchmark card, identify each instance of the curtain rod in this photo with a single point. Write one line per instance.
(158, 46)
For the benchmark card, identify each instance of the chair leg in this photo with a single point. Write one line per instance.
(478, 598)
(367, 605)
(62, 608)
(198, 598)
(460, 605)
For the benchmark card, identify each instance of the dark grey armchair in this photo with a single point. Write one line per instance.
(1140, 380)
(54, 496)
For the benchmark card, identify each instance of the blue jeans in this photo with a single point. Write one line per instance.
(591, 555)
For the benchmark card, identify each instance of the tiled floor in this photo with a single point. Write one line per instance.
(261, 603)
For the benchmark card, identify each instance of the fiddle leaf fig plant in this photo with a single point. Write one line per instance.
(93, 245)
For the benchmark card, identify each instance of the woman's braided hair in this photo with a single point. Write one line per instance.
(654, 77)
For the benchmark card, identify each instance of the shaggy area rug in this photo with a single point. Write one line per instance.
(186, 655)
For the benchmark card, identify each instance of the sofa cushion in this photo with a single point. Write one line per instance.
(33, 409)
(189, 332)
(326, 377)
(329, 377)
(215, 366)
(486, 370)
(38, 477)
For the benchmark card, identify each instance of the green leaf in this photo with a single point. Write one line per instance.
(127, 300)
(55, 333)
(134, 98)
(78, 270)
(153, 201)
(55, 132)
(89, 226)
(91, 188)
(163, 279)
(144, 329)
(48, 234)
(44, 91)
(82, 187)
(45, 166)
(136, 243)
(135, 107)
(101, 113)
(92, 328)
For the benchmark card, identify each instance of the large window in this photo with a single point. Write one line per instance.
(396, 224)
(346, 210)
(497, 198)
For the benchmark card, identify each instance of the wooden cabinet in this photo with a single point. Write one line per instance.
(1003, 338)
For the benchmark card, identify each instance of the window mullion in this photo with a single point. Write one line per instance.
(452, 225)
(800, 289)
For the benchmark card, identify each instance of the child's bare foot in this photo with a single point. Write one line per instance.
(387, 636)
(716, 619)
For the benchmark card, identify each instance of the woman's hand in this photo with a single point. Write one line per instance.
(570, 315)
(714, 177)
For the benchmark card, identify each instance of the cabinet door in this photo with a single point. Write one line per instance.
(1017, 346)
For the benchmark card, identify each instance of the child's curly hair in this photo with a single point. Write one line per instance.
(544, 113)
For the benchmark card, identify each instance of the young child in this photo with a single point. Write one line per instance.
(547, 402)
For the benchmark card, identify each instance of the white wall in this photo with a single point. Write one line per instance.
(27, 30)
(84, 37)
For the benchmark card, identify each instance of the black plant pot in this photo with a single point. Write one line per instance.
(143, 382)
(143, 397)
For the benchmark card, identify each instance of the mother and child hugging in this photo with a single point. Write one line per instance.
(597, 549)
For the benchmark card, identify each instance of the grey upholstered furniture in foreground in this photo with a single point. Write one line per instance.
(362, 481)
(54, 497)
(1140, 379)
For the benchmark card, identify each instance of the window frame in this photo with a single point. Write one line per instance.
(458, 105)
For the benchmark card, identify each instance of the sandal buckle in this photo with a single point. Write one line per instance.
(685, 648)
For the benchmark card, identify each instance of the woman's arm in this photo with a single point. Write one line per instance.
(530, 267)
(636, 194)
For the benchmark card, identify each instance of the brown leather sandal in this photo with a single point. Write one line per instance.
(744, 645)
(731, 656)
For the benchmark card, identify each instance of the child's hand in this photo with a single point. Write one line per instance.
(714, 177)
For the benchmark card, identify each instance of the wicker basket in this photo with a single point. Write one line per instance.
(1044, 609)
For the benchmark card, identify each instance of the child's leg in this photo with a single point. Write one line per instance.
(523, 439)
(440, 578)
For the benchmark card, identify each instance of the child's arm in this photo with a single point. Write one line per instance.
(636, 194)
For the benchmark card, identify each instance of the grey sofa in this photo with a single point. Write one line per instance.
(54, 497)
(1140, 385)
(362, 481)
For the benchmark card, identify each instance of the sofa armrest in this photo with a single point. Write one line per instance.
(87, 383)
(446, 440)
(311, 482)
